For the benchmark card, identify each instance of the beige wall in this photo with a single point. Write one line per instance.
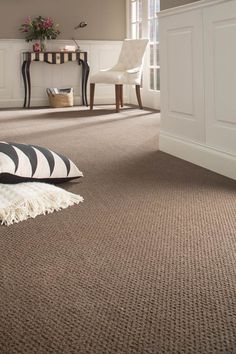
(106, 18)
(166, 4)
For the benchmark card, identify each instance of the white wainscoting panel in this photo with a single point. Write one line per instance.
(220, 50)
(180, 68)
(2, 66)
(198, 84)
(5, 65)
(101, 54)
(182, 87)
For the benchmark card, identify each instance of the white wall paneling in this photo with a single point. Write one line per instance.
(220, 53)
(182, 88)
(5, 65)
(101, 54)
(198, 80)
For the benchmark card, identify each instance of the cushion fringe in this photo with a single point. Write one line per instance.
(42, 204)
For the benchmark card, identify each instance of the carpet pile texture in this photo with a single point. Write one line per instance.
(147, 264)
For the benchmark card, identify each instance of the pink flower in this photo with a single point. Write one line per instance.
(27, 21)
(48, 23)
(39, 27)
(36, 47)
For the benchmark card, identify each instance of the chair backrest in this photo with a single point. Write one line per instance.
(132, 52)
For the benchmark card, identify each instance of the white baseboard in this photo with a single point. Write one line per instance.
(108, 100)
(37, 102)
(11, 103)
(204, 156)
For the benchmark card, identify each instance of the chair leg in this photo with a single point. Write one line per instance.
(92, 90)
(118, 91)
(138, 94)
(121, 96)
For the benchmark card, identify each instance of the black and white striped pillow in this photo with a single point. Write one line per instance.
(25, 163)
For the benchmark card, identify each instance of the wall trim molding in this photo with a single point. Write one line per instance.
(189, 7)
(62, 41)
(202, 155)
(17, 103)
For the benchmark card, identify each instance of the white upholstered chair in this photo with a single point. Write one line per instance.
(127, 71)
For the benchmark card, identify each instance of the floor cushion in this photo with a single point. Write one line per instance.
(21, 201)
(27, 163)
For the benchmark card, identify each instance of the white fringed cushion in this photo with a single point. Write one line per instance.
(21, 201)
(28, 163)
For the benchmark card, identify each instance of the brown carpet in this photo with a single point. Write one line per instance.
(147, 264)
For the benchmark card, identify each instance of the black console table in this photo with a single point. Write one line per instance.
(54, 58)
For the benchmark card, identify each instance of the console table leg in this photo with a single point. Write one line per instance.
(23, 70)
(86, 82)
(29, 81)
(85, 74)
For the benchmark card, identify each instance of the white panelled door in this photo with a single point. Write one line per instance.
(143, 23)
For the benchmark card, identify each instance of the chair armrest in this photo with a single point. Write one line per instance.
(134, 70)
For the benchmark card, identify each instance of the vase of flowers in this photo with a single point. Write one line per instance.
(39, 29)
(43, 45)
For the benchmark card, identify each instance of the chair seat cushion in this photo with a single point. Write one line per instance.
(115, 77)
(25, 163)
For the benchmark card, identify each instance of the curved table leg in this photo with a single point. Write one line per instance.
(23, 70)
(86, 82)
(85, 75)
(28, 81)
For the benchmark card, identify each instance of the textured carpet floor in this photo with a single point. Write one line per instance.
(147, 264)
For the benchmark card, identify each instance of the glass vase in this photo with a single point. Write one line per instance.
(43, 45)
